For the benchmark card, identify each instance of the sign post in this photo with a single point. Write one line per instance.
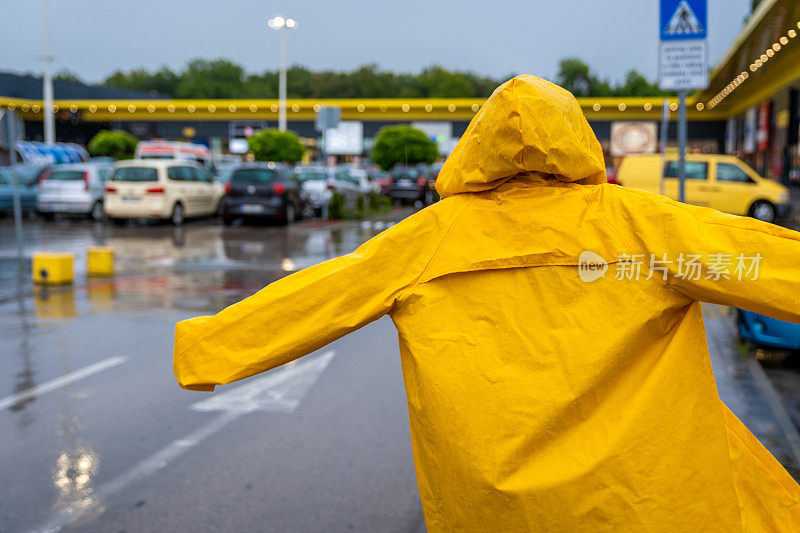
(683, 61)
(326, 118)
(12, 130)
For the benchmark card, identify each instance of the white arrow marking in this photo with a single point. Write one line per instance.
(61, 381)
(280, 390)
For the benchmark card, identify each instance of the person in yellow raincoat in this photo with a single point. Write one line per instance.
(545, 392)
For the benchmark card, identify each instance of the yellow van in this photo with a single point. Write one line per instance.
(722, 182)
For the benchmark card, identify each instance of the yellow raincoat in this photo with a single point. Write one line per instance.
(539, 401)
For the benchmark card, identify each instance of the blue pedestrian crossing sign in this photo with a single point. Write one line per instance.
(684, 19)
(683, 50)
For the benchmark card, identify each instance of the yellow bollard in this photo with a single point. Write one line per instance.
(52, 269)
(99, 261)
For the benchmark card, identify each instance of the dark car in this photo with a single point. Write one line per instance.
(431, 173)
(266, 191)
(408, 184)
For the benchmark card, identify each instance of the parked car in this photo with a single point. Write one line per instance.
(381, 179)
(167, 189)
(186, 151)
(75, 188)
(768, 331)
(317, 183)
(27, 191)
(266, 191)
(432, 172)
(347, 182)
(408, 184)
(720, 181)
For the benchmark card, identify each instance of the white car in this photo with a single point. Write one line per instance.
(167, 189)
(73, 188)
(317, 184)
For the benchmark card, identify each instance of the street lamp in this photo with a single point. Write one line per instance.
(280, 23)
(47, 78)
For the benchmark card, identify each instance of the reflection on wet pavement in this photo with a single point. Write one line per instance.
(197, 266)
(48, 333)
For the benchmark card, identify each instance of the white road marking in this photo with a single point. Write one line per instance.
(59, 382)
(280, 390)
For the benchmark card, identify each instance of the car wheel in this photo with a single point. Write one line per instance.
(177, 217)
(226, 220)
(97, 213)
(763, 210)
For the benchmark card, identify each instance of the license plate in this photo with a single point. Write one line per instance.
(251, 208)
(404, 182)
(130, 199)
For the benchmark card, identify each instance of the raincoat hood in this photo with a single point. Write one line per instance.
(528, 125)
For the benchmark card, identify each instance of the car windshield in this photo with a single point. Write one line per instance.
(405, 173)
(135, 174)
(310, 175)
(225, 175)
(253, 175)
(66, 175)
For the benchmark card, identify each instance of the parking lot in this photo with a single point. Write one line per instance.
(99, 436)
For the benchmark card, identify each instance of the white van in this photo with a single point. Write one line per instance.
(166, 189)
(185, 151)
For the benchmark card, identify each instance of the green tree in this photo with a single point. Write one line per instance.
(574, 75)
(636, 84)
(164, 81)
(402, 145)
(67, 75)
(113, 143)
(211, 78)
(276, 145)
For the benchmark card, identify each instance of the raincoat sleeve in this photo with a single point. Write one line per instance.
(305, 311)
(743, 262)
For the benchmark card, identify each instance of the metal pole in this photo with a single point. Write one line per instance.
(12, 162)
(664, 137)
(47, 80)
(325, 168)
(282, 81)
(682, 145)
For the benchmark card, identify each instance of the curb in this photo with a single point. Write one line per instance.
(783, 420)
(775, 405)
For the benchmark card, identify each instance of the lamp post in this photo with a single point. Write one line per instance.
(47, 79)
(280, 23)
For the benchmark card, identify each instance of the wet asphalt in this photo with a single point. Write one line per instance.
(96, 436)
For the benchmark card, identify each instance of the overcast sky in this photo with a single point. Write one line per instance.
(494, 37)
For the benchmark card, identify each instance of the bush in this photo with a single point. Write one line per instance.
(336, 206)
(360, 202)
(403, 145)
(113, 143)
(373, 200)
(276, 145)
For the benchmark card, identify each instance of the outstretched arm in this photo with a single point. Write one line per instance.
(302, 312)
(743, 262)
